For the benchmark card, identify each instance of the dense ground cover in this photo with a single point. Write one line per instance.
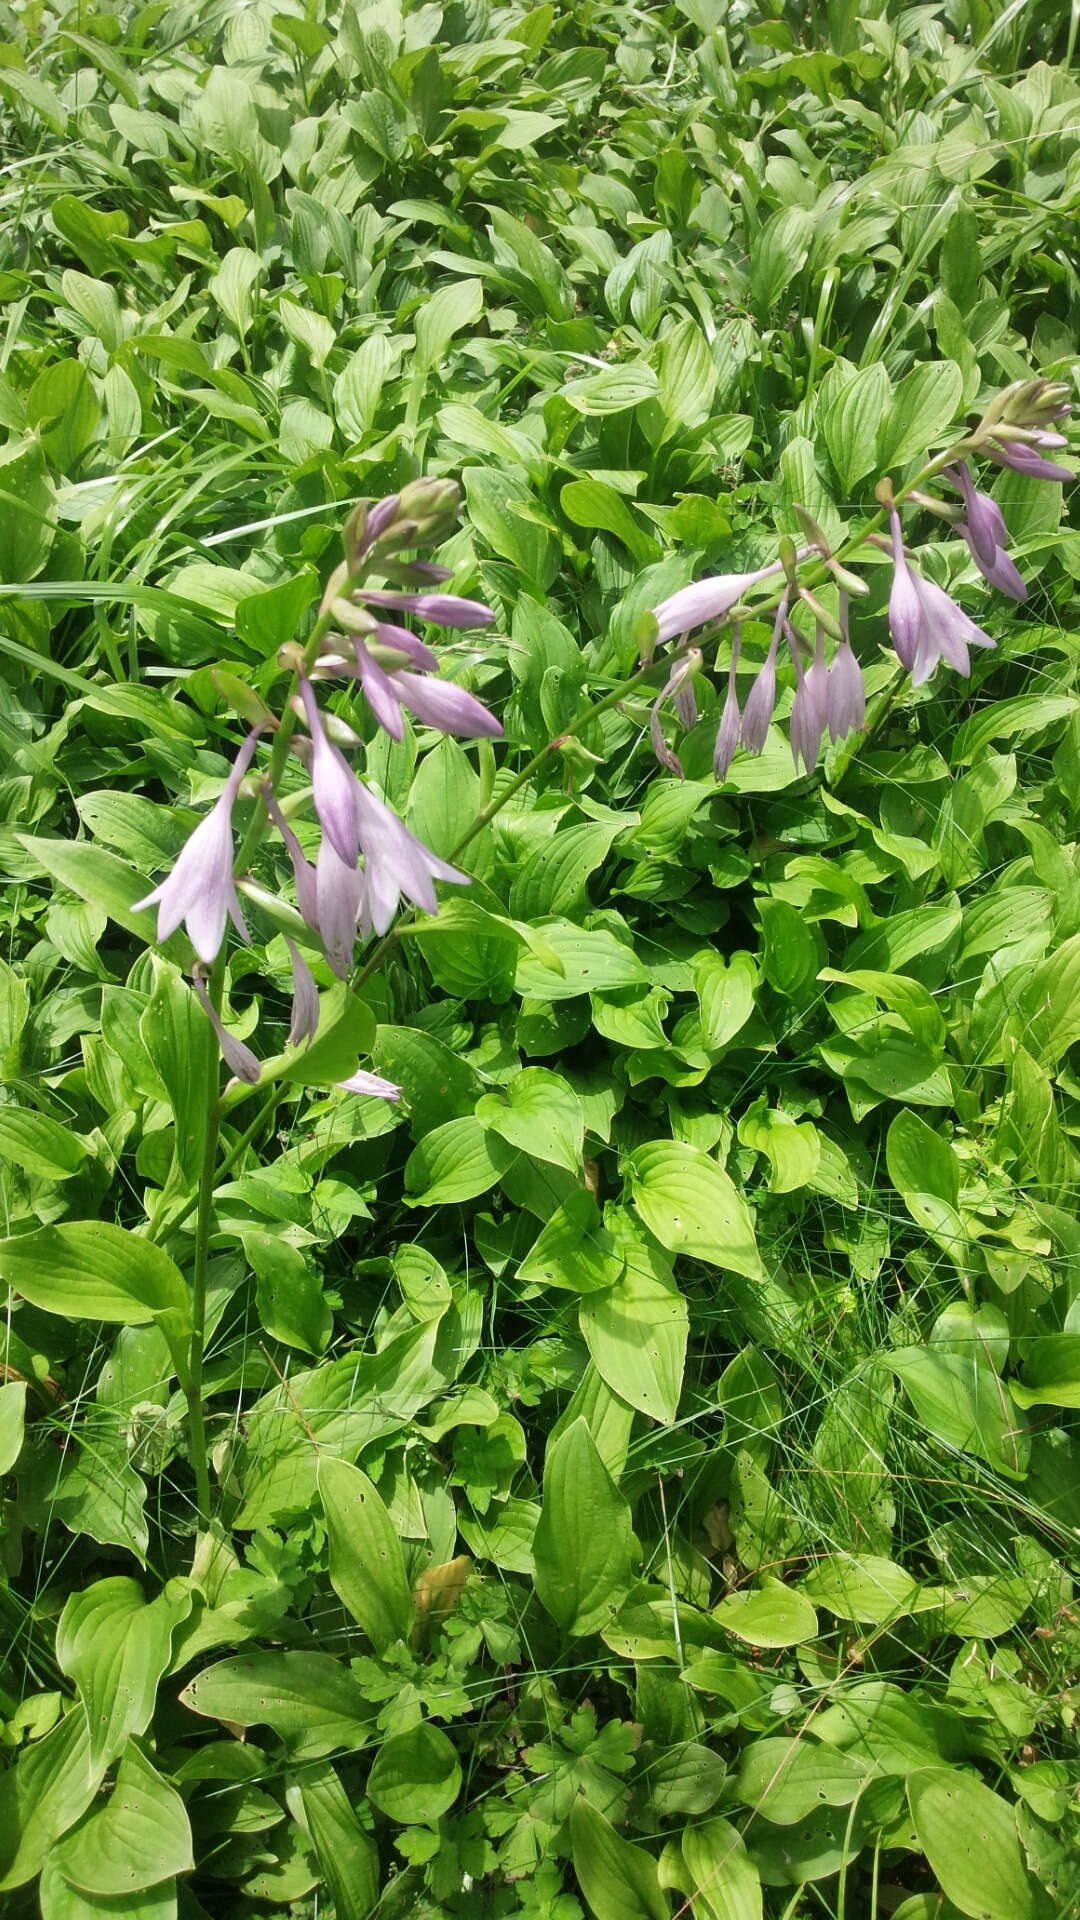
(643, 1468)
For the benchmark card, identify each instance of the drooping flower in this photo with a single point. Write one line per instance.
(845, 697)
(396, 863)
(442, 609)
(709, 599)
(200, 890)
(809, 710)
(238, 1058)
(339, 891)
(305, 997)
(727, 734)
(983, 528)
(370, 1083)
(761, 699)
(438, 703)
(678, 683)
(1024, 455)
(945, 633)
(334, 785)
(905, 614)
(303, 871)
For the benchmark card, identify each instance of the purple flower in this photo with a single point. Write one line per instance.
(945, 633)
(339, 895)
(333, 783)
(305, 998)
(200, 890)
(905, 614)
(438, 703)
(709, 599)
(727, 734)
(1023, 456)
(845, 698)
(678, 687)
(303, 871)
(987, 536)
(371, 1084)
(395, 863)
(808, 712)
(238, 1058)
(761, 699)
(443, 609)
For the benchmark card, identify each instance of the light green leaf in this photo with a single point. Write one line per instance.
(40, 1146)
(574, 1250)
(960, 1398)
(12, 1422)
(593, 961)
(540, 1115)
(441, 315)
(968, 1834)
(860, 1586)
(854, 421)
(416, 1776)
(310, 1700)
(725, 1884)
(769, 1615)
(347, 1856)
(41, 1796)
(619, 1881)
(584, 1548)
(920, 413)
(289, 1294)
(596, 506)
(612, 391)
(116, 1645)
(692, 1206)
(91, 1270)
(726, 987)
(457, 1161)
(636, 1332)
(367, 1571)
(138, 1838)
(924, 1169)
(233, 287)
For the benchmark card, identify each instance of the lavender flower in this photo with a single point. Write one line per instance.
(370, 1083)
(727, 735)
(1023, 455)
(808, 712)
(845, 697)
(333, 783)
(443, 609)
(678, 684)
(303, 871)
(761, 699)
(339, 896)
(709, 599)
(395, 863)
(238, 1058)
(200, 890)
(305, 998)
(438, 703)
(905, 612)
(987, 536)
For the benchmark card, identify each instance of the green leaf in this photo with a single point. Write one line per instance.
(457, 1161)
(138, 1838)
(289, 1294)
(612, 391)
(854, 422)
(725, 1884)
(61, 1901)
(598, 507)
(574, 1250)
(687, 376)
(968, 1835)
(500, 505)
(692, 1206)
(784, 1779)
(726, 988)
(920, 414)
(41, 1796)
(116, 1646)
(445, 312)
(310, 1700)
(233, 287)
(12, 1422)
(860, 1586)
(539, 1114)
(27, 511)
(636, 1332)
(347, 1856)
(345, 1031)
(416, 1776)
(592, 961)
(924, 1169)
(180, 1042)
(367, 1571)
(436, 1083)
(769, 1615)
(960, 1398)
(619, 1881)
(91, 1270)
(793, 949)
(584, 1548)
(104, 881)
(40, 1146)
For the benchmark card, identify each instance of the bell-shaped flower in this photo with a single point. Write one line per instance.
(1024, 456)
(983, 528)
(239, 1059)
(710, 599)
(200, 890)
(945, 633)
(679, 684)
(727, 734)
(396, 863)
(339, 891)
(905, 614)
(845, 697)
(442, 609)
(761, 699)
(334, 785)
(370, 1083)
(808, 713)
(305, 997)
(303, 871)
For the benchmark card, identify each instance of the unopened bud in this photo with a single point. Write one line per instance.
(789, 558)
(944, 509)
(428, 499)
(291, 657)
(242, 699)
(354, 619)
(813, 532)
(391, 659)
(828, 621)
(846, 581)
(883, 492)
(646, 629)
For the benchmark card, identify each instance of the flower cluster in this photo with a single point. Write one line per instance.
(367, 859)
(926, 624)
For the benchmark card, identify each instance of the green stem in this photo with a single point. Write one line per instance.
(200, 1460)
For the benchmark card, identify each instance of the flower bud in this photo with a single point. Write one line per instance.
(813, 532)
(354, 619)
(430, 499)
(242, 699)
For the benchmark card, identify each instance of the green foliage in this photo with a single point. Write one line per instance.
(645, 1468)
